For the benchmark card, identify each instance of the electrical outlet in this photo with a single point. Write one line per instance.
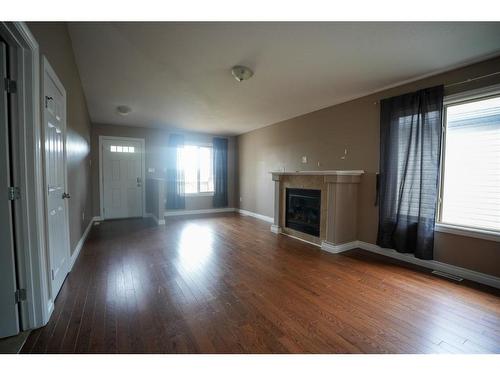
(304, 159)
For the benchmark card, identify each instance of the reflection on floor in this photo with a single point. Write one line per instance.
(226, 284)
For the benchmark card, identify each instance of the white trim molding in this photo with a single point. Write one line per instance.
(319, 173)
(79, 245)
(269, 219)
(468, 232)
(50, 307)
(157, 221)
(465, 273)
(335, 249)
(198, 212)
(32, 269)
(472, 94)
(275, 228)
(49, 78)
(457, 229)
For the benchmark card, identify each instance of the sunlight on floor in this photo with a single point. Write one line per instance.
(196, 247)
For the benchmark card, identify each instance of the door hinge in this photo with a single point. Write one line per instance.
(47, 98)
(52, 272)
(14, 193)
(20, 295)
(10, 86)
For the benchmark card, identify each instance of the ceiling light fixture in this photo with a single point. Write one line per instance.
(123, 110)
(241, 73)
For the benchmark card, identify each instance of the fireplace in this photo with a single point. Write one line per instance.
(303, 210)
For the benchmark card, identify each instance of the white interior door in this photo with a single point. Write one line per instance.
(122, 174)
(9, 319)
(55, 177)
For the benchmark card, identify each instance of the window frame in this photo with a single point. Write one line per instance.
(198, 193)
(440, 226)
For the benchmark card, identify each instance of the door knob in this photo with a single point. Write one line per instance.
(139, 182)
(66, 195)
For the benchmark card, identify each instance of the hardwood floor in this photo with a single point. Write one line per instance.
(226, 284)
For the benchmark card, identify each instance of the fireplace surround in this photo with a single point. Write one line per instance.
(336, 206)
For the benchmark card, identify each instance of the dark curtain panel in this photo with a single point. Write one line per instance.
(220, 172)
(175, 175)
(410, 142)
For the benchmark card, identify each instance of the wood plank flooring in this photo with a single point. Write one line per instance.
(226, 284)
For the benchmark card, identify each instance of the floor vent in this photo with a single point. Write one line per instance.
(447, 275)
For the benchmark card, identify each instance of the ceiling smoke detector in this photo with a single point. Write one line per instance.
(241, 73)
(123, 110)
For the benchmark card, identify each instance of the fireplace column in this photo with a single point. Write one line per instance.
(341, 225)
(275, 228)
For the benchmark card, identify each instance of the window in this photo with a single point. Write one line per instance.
(411, 162)
(122, 149)
(470, 186)
(197, 164)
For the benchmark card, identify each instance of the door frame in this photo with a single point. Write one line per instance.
(9, 314)
(47, 69)
(32, 270)
(143, 176)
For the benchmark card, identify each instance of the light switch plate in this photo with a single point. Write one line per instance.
(304, 159)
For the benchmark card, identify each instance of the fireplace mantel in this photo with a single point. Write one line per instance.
(338, 208)
(319, 173)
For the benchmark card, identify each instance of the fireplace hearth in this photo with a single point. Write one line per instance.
(303, 210)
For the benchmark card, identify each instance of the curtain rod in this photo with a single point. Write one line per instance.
(462, 82)
(471, 79)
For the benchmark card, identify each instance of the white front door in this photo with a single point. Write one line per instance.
(55, 177)
(9, 321)
(122, 174)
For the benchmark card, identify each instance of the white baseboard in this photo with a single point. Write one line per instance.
(50, 309)
(275, 229)
(198, 212)
(335, 249)
(157, 221)
(80, 243)
(465, 273)
(97, 218)
(256, 215)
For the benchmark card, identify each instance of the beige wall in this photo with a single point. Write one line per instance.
(322, 137)
(156, 157)
(55, 43)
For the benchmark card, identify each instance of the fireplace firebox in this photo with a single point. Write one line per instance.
(303, 210)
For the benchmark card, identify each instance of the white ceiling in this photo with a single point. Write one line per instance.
(179, 74)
